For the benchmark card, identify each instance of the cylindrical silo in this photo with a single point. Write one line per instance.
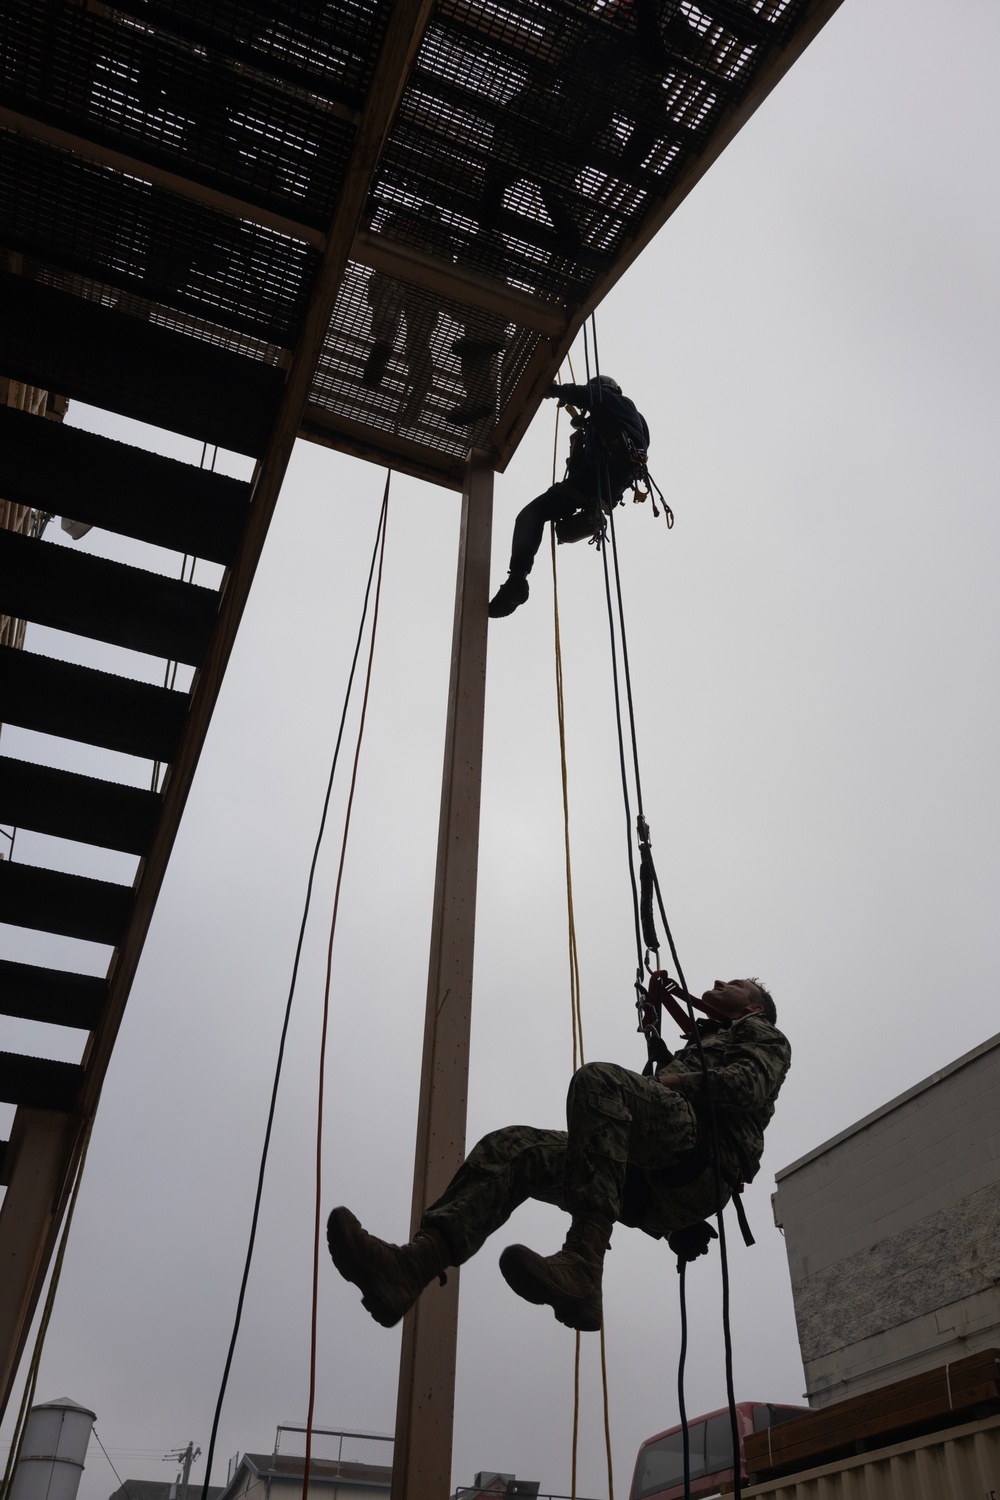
(53, 1452)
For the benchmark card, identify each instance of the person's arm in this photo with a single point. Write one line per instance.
(572, 395)
(757, 1058)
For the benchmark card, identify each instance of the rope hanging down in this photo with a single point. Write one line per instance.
(314, 1318)
(576, 1014)
(649, 1009)
(255, 1216)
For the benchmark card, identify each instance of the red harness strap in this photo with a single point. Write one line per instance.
(662, 991)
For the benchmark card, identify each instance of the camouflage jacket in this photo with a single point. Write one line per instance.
(747, 1061)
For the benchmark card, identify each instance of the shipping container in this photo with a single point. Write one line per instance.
(961, 1463)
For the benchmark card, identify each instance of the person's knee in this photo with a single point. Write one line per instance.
(592, 1081)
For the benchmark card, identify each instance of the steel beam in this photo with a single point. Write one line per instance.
(426, 1402)
(458, 283)
(43, 1146)
(399, 47)
(146, 171)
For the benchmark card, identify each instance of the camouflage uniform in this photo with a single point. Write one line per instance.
(634, 1151)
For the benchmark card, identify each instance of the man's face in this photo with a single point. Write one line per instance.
(733, 998)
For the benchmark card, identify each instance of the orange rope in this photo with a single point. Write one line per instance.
(314, 1318)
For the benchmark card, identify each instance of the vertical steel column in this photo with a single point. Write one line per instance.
(41, 1143)
(425, 1406)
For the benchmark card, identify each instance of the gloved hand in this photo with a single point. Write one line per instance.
(691, 1241)
(553, 389)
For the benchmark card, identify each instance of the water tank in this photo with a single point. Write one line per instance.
(53, 1452)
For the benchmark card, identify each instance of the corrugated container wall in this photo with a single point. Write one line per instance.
(961, 1464)
(892, 1232)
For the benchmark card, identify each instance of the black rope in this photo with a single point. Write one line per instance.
(288, 1004)
(647, 856)
(602, 488)
(681, 1404)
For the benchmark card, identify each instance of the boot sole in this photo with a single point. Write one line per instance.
(342, 1242)
(519, 1268)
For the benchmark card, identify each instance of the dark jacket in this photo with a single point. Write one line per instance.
(613, 432)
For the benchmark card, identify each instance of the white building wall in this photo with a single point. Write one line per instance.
(892, 1232)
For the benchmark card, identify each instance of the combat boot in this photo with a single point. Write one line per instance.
(568, 1282)
(511, 594)
(391, 1277)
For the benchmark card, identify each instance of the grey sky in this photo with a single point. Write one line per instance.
(813, 338)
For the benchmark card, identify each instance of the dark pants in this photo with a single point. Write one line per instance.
(556, 504)
(627, 1136)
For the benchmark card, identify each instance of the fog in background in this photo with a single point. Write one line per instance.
(813, 339)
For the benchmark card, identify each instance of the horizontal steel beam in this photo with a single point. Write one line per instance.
(105, 600)
(69, 472)
(145, 171)
(61, 342)
(43, 900)
(459, 283)
(97, 708)
(53, 996)
(38, 1082)
(66, 805)
(386, 449)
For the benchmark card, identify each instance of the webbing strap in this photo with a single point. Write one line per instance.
(741, 1215)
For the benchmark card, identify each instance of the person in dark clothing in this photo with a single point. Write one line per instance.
(607, 450)
(636, 1151)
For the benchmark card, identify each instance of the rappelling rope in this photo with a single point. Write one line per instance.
(601, 490)
(604, 492)
(576, 1015)
(288, 1004)
(314, 1318)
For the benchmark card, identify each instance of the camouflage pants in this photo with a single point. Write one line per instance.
(624, 1133)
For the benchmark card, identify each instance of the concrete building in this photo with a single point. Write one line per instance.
(892, 1231)
(343, 1466)
(162, 1489)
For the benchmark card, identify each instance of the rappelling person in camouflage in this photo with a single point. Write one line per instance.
(637, 1151)
(607, 454)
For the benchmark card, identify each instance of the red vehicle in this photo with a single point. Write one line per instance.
(659, 1468)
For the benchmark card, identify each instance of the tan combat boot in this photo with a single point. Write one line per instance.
(568, 1282)
(391, 1277)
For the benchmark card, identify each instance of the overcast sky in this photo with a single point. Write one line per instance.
(813, 338)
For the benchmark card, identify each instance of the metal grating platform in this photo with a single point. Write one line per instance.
(187, 164)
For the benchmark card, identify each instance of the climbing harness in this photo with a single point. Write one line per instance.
(644, 486)
(647, 945)
(265, 1149)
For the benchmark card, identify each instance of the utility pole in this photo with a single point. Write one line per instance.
(425, 1408)
(185, 1456)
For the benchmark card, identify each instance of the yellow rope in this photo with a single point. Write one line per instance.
(576, 1014)
(31, 1380)
(607, 1416)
